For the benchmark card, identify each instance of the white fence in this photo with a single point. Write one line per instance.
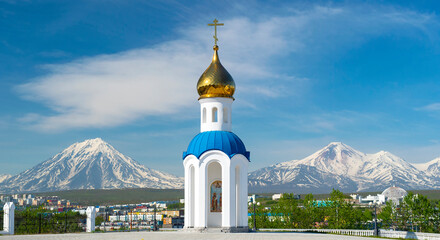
(367, 233)
(409, 235)
(351, 232)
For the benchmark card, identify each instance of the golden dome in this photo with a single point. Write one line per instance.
(216, 81)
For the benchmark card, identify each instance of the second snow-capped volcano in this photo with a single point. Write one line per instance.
(342, 167)
(92, 164)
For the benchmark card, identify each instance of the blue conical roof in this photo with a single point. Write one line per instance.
(224, 141)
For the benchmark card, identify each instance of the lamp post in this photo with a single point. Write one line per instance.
(154, 219)
(105, 217)
(337, 216)
(376, 230)
(254, 218)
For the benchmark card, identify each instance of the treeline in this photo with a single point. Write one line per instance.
(415, 213)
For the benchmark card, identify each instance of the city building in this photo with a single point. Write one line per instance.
(25, 200)
(394, 194)
(277, 196)
(135, 217)
(378, 199)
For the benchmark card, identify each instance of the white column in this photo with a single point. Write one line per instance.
(244, 195)
(226, 191)
(190, 195)
(200, 197)
(232, 196)
(8, 218)
(91, 213)
(187, 197)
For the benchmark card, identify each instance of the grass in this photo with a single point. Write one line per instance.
(116, 196)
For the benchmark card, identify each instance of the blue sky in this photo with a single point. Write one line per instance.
(365, 73)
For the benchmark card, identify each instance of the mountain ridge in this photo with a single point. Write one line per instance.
(95, 164)
(344, 168)
(91, 164)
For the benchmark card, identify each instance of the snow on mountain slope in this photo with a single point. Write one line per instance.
(422, 166)
(339, 166)
(431, 168)
(336, 158)
(3, 177)
(299, 178)
(92, 164)
(386, 168)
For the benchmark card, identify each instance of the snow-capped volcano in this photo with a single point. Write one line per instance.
(92, 164)
(339, 166)
(298, 178)
(336, 158)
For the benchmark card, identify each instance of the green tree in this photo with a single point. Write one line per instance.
(310, 216)
(333, 208)
(388, 215)
(415, 212)
(308, 199)
(263, 217)
(385, 216)
(436, 218)
(99, 220)
(286, 213)
(420, 212)
(175, 206)
(32, 221)
(342, 213)
(337, 195)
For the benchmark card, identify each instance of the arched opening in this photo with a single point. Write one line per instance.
(238, 219)
(204, 115)
(192, 197)
(225, 115)
(214, 191)
(214, 114)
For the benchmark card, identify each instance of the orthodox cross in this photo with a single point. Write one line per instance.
(215, 24)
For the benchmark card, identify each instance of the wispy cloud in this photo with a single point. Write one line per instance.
(110, 90)
(327, 122)
(433, 107)
(115, 89)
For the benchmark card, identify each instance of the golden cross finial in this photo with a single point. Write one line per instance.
(215, 24)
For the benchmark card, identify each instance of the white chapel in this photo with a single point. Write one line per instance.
(216, 161)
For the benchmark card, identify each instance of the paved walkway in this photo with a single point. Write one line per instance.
(181, 235)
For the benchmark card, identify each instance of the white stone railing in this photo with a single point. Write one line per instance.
(8, 218)
(91, 215)
(366, 233)
(352, 232)
(409, 235)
